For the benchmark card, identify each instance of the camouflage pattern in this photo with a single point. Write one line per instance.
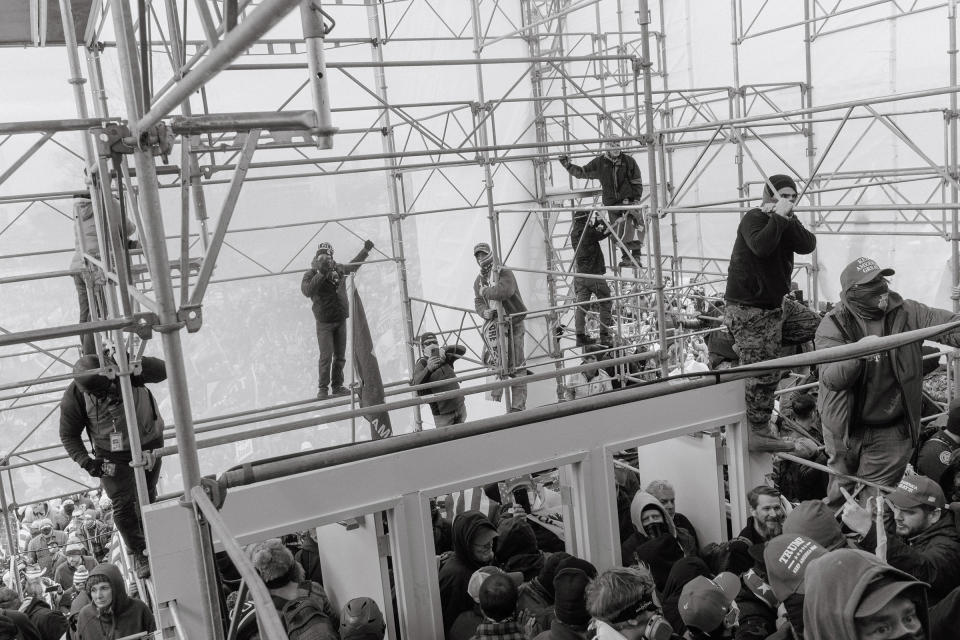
(757, 335)
(799, 322)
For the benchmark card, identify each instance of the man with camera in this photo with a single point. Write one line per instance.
(93, 403)
(325, 284)
(585, 237)
(435, 365)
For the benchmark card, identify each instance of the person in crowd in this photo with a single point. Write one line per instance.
(105, 506)
(799, 482)
(517, 548)
(303, 605)
(535, 598)
(938, 451)
(435, 365)
(683, 571)
(707, 607)
(498, 602)
(786, 558)
(308, 555)
(663, 491)
(925, 544)
(94, 535)
(853, 595)
(570, 610)
(49, 624)
(585, 238)
(42, 550)
(621, 184)
(591, 382)
(473, 537)
(870, 407)
(361, 619)
(74, 559)
(465, 626)
(624, 598)
(325, 284)
(761, 265)
(111, 613)
(74, 598)
(815, 520)
(486, 292)
(93, 403)
(63, 517)
(654, 542)
(22, 627)
(766, 515)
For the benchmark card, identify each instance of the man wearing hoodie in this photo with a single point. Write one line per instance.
(654, 542)
(870, 406)
(92, 403)
(111, 612)
(663, 491)
(926, 543)
(473, 536)
(571, 615)
(585, 237)
(517, 547)
(761, 267)
(621, 183)
(853, 595)
(486, 292)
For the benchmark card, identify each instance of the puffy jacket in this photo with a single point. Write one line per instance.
(619, 177)
(761, 264)
(124, 617)
(506, 291)
(79, 411)
(328, 289)
(842, 384)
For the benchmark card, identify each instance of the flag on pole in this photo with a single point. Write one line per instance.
(368, 371)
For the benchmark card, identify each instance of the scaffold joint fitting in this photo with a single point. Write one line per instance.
(950, 114)
(191, 316)
(115, 138)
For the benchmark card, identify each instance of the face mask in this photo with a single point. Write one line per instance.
(68, 510)
(656, 529)
(870, 300)
(486, 263)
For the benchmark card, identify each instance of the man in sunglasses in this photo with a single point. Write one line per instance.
(870, 406)
(756, 306)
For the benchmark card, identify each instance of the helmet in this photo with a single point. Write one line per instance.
(325, 247)
(362, 619)
(93, 383)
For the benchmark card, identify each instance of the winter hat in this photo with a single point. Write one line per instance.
(93, 383)
(80, 576)
(570, 606)
(515, 536)
(73, 548)
(481, 247)
(786, 558)
(779, 181)
(34, 572)
(549, 571)
(481, 574)
(67, 503)
(573, 562)
(95, 579)
(704, 603)
(46, 522)
(361, 619)
(813, 519)
(272, 560)
(325, 247)
(953, 417)
(428, 337)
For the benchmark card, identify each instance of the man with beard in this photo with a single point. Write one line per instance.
(766, 515)
(473, 536)
(926, 543)
(870, 406)
(63, 575)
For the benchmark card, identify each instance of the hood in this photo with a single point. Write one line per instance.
(120, 598)
(640, 502)
(841, 578)
(83, 209)
(515, 537)
(945, 527)
(685, 570)
(946, 479)
(465, 527)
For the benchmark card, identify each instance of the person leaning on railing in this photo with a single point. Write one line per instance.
(436, 365)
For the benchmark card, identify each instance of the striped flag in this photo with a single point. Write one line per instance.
(368, 371)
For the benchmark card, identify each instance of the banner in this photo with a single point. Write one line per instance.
(368, 371)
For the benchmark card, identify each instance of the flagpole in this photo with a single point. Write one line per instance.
(353, 360)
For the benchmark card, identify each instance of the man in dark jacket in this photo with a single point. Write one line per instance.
(870, 407)
(93, 403)
(111, 612)
(325, 284)
(16, 626)
(504, 289)
(43, 623)
(621, 183)
(434, 365)
(761, 266)
(937, 452)
(926, 543)
(473, 536)
(588, 259)
(572, 618)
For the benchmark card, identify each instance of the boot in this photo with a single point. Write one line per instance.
(762, 440)
(625, 261)
(339, 390)
(323, 393)
(141, 565)
(583, 340)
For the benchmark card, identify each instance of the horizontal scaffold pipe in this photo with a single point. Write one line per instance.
(268, 66)
(242, 121)
(43, 126)
(19, 337)
(911, 206)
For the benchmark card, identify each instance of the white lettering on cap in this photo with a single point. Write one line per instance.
(865, 265)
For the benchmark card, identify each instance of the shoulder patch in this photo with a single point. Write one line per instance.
(944, 457)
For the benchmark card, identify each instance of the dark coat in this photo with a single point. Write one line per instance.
(26, 628)
(761, 265)
(455, 571)
(585, 240)
(126, 615)
(560, 631)
(328, 289)
(423, 375)
(619, 178)
(50, 624)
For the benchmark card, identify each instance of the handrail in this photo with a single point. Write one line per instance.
(267, 617)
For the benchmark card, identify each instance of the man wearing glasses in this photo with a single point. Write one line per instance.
(761, 267)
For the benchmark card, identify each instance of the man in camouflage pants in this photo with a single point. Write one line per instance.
(758, 314)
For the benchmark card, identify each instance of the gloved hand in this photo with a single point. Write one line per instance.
(783, 208)
(368, 244)
(93, 466)
(564, 159)
(489, 314)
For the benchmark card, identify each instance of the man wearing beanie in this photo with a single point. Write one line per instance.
(325, 284)
(870, 406)
(435, 365)
(756, 307)
(570, 607)
(816, 521)
(302, 604)
(488, 289)
(937, 452)
(786, 558)
(75, 558)
(535, 598)
(111, 612)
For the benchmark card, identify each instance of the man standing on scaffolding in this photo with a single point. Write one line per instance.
(93, 403)
(325, 284)
(588, 259)
(761, 267)
(505, 290)
(621, 184)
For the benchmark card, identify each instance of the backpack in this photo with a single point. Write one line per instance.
(309, 616)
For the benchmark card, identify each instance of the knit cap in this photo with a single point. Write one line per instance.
(80, 576)
(570, 607)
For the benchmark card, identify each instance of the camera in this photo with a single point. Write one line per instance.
(434, 351)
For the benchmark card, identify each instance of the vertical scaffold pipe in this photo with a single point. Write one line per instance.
(954, 169)
(736, 94)
(14, 547)
(811, 143)
(314, 31)
(394, 188)
(652, 145)
(156, 251)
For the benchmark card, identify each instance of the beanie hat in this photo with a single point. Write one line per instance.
(46, 522)
(90, 382)
(813, 519)
(73, 549)
(428, 336)
(953, 417)
(80, 576)
(549, 571)
(271, 559)
(573, 562)
(95, 579)
(570, 606)
(779, 181)
(361, 619)
(482, 247)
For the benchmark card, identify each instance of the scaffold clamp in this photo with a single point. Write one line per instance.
(191, 316)
(143, 324)
(115, 138)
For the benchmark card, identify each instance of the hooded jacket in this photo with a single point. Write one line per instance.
(125, 616)
(761, 264)
(455, 571)
(21, 624)
(836, 584)
(685, 570)
(506, 291)
(843, 384)
(619, 177)
(50, 624)
(658, 553)
(329, 294)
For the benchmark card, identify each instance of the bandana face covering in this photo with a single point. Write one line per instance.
(869, 301)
